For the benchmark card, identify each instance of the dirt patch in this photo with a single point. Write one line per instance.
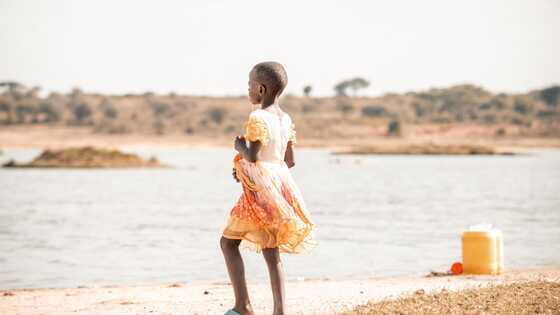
(86, 157)
(537, 297)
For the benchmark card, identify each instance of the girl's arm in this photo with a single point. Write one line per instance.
(289, 156)
(249, 153)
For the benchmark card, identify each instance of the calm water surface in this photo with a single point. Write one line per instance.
(376, 216)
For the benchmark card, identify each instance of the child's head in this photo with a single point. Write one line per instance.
(266, 80)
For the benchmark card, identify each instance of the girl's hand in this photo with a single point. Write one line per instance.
(240, 145)
(234, 173)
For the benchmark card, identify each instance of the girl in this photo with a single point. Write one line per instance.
(270, 215)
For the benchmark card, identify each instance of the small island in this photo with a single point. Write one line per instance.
(424, 149)
(86, 157)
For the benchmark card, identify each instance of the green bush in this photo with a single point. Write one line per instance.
(217, 115)
(306, 108)
(81, 112)
(489, 118)
(551, 95)
(23, 111)
(48, 109)
(374, 111)
(521, 107)
(546, 114)
(108, 109)
(344, 107)
(394, 128)
(419, 110)
(159, 108)
(159, 127)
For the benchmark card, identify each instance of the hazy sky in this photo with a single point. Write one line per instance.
(208, 47)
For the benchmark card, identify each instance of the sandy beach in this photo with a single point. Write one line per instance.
(303, 297)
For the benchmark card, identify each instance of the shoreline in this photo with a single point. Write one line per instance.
(314, 296)
(58, 137)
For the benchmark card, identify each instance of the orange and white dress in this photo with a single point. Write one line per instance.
(271, 211)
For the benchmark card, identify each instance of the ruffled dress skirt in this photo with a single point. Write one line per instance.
(271, 211)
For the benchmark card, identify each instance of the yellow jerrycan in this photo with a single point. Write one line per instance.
(482, 250)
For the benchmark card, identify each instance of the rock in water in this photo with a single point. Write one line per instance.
(424, 149)
(87, 157)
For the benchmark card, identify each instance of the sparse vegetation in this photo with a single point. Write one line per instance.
(535, 113)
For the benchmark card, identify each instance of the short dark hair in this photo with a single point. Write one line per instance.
(272, 75)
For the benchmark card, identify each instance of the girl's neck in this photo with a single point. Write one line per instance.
(267, 102)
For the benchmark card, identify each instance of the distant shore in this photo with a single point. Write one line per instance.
(57, 137)
(303, 297)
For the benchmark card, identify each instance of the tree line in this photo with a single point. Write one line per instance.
(163, 113)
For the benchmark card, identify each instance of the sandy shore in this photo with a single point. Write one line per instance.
(56, 137)
(303, 297)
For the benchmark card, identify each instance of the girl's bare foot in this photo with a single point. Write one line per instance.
(236, 270)
(244, 310)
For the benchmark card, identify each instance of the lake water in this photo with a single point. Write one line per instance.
(376, 216)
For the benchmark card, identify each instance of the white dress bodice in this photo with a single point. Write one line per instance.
(279, 130)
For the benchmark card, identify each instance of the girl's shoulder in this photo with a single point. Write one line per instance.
(257, 111)
(258, 114)
(266, 116)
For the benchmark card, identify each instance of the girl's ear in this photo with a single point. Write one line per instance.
(262, 89)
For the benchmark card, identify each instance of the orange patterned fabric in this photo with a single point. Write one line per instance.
(270, 212)
(255, 129)
(293, 134)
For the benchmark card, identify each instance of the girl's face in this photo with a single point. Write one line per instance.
(256, 90)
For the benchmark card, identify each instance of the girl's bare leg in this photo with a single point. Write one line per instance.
(275, 270)
(236, 270)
